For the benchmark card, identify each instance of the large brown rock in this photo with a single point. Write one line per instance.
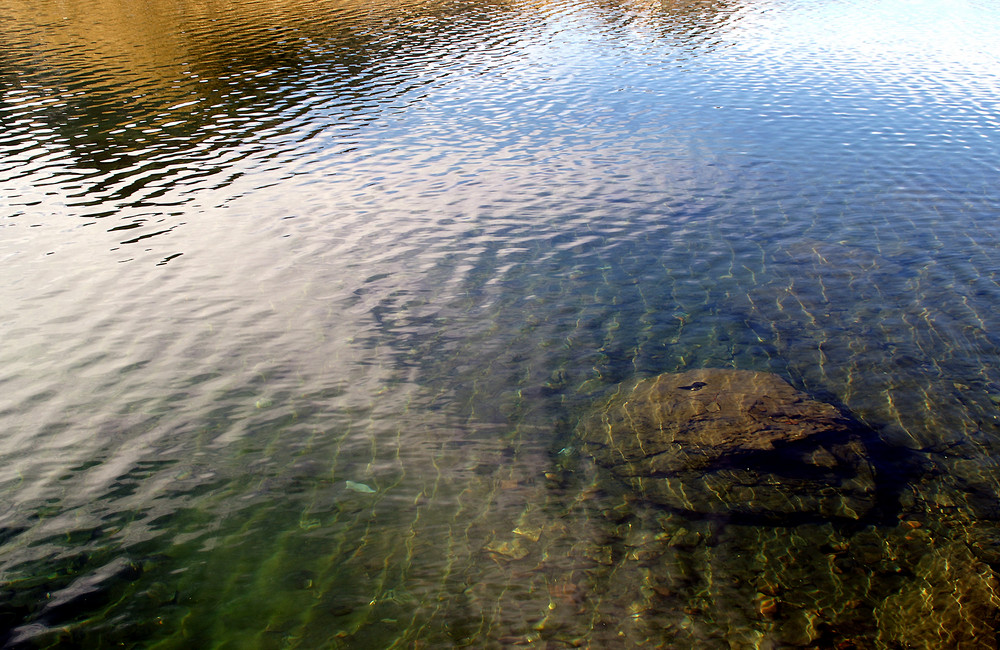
(732, 442)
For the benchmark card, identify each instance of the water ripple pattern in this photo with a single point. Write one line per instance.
(302, 304)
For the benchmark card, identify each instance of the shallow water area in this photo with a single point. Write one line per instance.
(304, 305)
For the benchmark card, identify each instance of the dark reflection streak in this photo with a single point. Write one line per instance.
(147, 236)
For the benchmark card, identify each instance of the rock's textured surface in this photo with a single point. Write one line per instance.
(952, 602)
(732, 441)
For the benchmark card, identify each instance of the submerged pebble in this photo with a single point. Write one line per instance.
(358, 487)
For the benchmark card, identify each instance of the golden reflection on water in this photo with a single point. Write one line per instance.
(164, 40)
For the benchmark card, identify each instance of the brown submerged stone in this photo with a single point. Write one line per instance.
(732, 441)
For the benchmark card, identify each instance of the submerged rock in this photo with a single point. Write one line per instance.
(953, 602)
(738, 442)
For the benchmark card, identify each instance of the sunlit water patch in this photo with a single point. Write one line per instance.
(304, 305)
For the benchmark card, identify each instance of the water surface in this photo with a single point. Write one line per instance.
(303, 301)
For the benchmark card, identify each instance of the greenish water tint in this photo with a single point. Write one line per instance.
(302, 304)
